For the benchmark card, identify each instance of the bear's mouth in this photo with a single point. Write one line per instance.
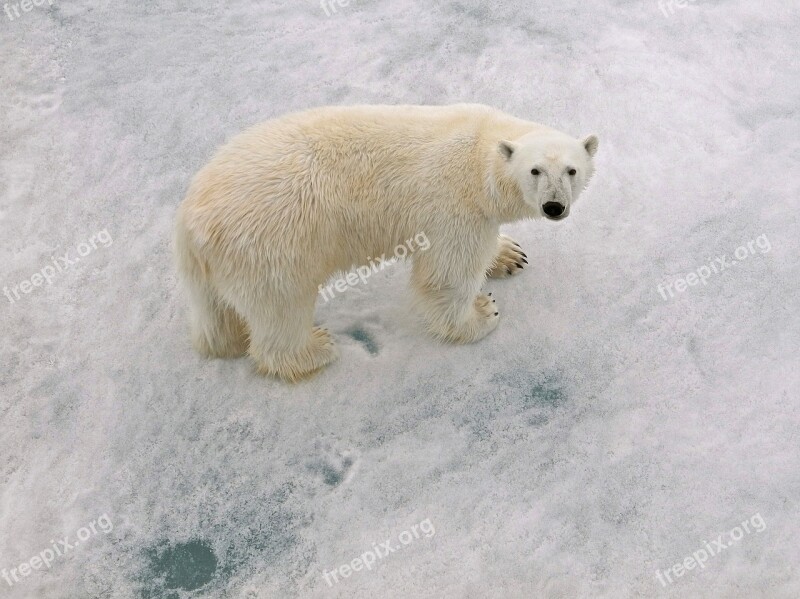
(554, 210)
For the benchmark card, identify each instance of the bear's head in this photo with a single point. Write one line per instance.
(550, 169)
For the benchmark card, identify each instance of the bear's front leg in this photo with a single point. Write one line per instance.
(509, 259)
(447, 285)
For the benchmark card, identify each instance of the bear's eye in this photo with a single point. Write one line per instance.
(572, 172)
(535, 172)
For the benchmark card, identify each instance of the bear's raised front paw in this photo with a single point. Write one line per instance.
(482, 320)
(509, 260)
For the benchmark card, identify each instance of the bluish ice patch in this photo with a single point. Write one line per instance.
(544, 393)
(365, 339)
(332, 474)
(265, 540)
(186, 566)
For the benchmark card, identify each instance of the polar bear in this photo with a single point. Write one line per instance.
(291, 201)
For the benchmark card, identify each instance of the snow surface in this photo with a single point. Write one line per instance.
(599, 435)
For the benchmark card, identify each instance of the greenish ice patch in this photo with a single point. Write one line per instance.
(182, 566)
(546, 393)
(365, 339)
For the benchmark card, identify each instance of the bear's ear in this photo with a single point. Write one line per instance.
(590, 142)
(506, 149)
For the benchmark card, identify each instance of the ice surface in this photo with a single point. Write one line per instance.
(599, 435)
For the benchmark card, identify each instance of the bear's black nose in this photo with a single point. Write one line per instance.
(553, 209)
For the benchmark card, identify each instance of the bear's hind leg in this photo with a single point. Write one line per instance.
(217, 331)
(283, 341)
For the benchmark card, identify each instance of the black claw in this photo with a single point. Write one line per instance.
(519, 265)
(508, 270)
(524, 255)
(516, 244)
(524, 260)
(490, 295)
(496, 313)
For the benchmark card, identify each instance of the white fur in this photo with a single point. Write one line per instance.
(293, 200)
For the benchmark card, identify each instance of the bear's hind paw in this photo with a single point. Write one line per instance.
(318, 353)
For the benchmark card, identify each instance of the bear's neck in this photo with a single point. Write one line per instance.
(504, 197)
